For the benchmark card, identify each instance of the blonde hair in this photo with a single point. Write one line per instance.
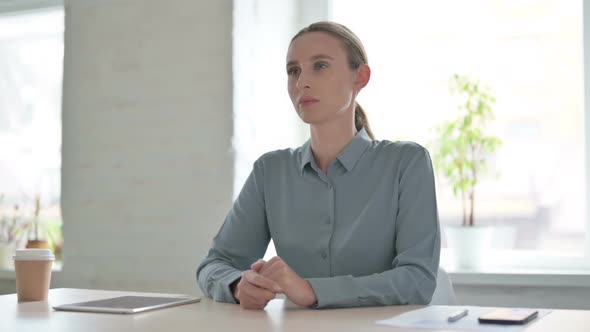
(356, 57)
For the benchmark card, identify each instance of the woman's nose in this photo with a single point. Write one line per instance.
(303, 82)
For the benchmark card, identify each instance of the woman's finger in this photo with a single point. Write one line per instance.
(256, 266)
(249, 302)
(261, 281)
(255, 292)
(272, 262)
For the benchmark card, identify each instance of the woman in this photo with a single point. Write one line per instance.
(354, 220)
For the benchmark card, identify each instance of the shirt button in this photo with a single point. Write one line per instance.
(328, 221)
(324, 254)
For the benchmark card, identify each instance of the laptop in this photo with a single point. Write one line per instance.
(127, 304)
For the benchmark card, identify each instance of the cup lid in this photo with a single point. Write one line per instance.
(33, 254)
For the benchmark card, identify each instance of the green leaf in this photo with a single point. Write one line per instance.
(462, 146)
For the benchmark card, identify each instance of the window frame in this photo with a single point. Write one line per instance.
(23, 6)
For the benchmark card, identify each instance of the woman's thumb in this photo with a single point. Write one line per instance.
(256, 266)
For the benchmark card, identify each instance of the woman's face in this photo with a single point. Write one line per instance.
(321, 84)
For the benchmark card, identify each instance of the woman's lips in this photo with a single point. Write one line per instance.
(306, 103)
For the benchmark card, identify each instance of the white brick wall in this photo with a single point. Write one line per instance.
(147, 126)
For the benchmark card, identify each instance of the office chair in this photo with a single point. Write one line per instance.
(444, 294)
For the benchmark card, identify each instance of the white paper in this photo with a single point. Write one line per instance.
(435, 317)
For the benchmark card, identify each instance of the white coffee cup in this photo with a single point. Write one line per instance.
(33, 273)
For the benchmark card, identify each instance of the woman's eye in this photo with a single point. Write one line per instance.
(293, 71)
(321, 65)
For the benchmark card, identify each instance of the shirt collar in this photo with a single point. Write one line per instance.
(348, 157)
(306, 156)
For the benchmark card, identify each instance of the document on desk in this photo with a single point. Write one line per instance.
(436, 317)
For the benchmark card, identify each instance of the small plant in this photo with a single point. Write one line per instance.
(38, 234)
(12, 228)
(26, 228)
(462, 146)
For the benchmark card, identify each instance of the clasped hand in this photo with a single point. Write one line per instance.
(265, 280)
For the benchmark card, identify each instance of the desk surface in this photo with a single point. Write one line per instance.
(208, 315)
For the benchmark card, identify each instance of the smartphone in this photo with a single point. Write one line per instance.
(508, 316)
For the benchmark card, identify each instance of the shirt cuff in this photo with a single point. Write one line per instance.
(328, 293)
(224, 286)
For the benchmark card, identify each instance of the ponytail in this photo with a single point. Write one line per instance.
(361, 121)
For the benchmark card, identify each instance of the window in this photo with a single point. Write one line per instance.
(31, 67)
(530, 53)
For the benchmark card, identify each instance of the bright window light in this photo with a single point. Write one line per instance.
(530, 53)
(31, 70)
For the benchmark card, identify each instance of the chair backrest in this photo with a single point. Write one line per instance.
(444, 294)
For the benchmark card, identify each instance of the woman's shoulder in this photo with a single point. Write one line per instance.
(400, 149)
(278, 157)
(404, 155)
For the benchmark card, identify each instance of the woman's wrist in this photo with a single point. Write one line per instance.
(313, 300)
(233, 287)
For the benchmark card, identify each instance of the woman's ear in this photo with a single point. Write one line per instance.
(363, 76)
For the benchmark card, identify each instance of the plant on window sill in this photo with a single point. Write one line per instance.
(462, 146)
(12, 230)
(460, 154)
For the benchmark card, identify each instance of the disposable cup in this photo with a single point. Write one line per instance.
(33, 273)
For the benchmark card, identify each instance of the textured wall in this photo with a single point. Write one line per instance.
(147, 127)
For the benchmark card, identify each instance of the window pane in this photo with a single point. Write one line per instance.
(31, 66)
(530, 54)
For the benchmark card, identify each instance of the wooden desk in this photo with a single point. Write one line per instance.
(213, 316)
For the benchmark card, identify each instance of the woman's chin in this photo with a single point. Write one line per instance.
(309, 117)
(309, 121)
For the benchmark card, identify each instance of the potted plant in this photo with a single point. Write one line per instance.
(38, 234)
(460, 154)
(12, 229)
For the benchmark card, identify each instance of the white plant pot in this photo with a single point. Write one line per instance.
(6, 253)
(469, 245)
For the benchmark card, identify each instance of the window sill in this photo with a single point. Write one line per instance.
(525, 268)
(497, 277)
(7, 275)
(521, 277)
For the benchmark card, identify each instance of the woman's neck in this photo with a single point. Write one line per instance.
(329, 139)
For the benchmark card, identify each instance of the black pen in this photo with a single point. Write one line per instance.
(457, 315)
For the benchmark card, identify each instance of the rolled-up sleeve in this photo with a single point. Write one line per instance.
(242, 240)
(412, 277)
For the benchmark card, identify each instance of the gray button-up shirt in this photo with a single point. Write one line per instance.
(365, 233)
